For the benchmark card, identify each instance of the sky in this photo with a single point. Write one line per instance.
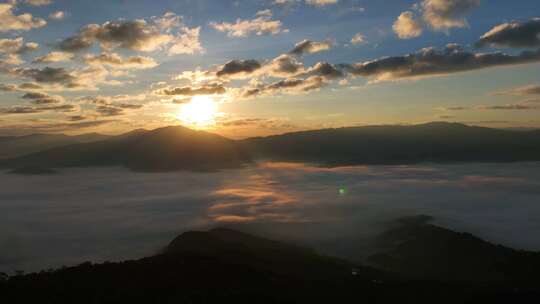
(99, 214)
(248, 68)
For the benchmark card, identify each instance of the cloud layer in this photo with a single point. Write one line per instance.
(114, 214)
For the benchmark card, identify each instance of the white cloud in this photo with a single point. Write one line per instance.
(406, 26)
(54, 57)
(11, 22)
(358, 38)
(262, 24)
(58, 15)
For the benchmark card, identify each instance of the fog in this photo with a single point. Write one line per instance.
(114, 214)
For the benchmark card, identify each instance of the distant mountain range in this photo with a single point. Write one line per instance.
(14, 146)
(179, 148)
(164, 149)
(422, 263)
(432, 142)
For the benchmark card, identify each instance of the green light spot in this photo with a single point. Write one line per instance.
(342, 191)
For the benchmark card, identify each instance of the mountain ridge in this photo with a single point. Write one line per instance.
(179, 148)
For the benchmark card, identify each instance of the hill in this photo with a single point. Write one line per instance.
(228, 266)
(14, 146)
(432, 142)
(164, 149)
(179, 148)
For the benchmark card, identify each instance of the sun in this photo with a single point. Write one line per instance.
(201, 112)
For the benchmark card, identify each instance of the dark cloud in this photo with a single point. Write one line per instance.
(514, 34)
(20, 110)
(34, 95)
(30, 86)
(310, 47)
(190, 91)
(235, 67)
(128, 34)
(31, 110)
(109, 111)
(48, 75)
(291, 86)
(433, 62)
(116, 61)
(8, 87)
(42, 98)
(510, 107)
(77, 118)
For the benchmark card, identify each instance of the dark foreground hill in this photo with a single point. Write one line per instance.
(414, 248)
(432, 142)
(165, 149)
(225, 266)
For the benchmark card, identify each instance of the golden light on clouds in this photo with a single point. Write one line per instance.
(200, 112)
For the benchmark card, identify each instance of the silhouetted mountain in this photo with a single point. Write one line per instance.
(432, 142)
(13, 146)
(179, 148)
(414, 248)
(165, 149)
(225, 266)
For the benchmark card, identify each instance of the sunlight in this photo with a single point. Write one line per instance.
(201, 111)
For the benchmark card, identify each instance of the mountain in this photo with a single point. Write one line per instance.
(179, 148)
(227, 266)
(164, 149)
(415, 248)
(432, 142)
(14, 146)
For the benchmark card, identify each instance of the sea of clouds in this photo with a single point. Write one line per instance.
(114, 214)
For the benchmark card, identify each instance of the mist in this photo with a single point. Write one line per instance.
(111, 214)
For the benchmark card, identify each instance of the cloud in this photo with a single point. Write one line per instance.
(8, 87)
(406, 26)
(316, 3)
(442, 15)
(32, 110)
(238, 67)
(42, 98)
(54, 57)
(287, 86)
(38, 2)
(283, 66)
(58, 15)
(457, 108)
(275, 197)
(513, 34)
(211, 89)
(116, 61)
(533, 89)
(109, 111)
(167, 32)
(262, 24)
(50, 78)
(310, 47)
(358, 38)
(517, 106)
(433, 62)
(320, 3)
(439, 15)
(11, 22)
(11, 49)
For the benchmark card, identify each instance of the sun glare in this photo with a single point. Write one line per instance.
(201, 111)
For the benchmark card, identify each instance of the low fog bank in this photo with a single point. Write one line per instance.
(114, 214)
